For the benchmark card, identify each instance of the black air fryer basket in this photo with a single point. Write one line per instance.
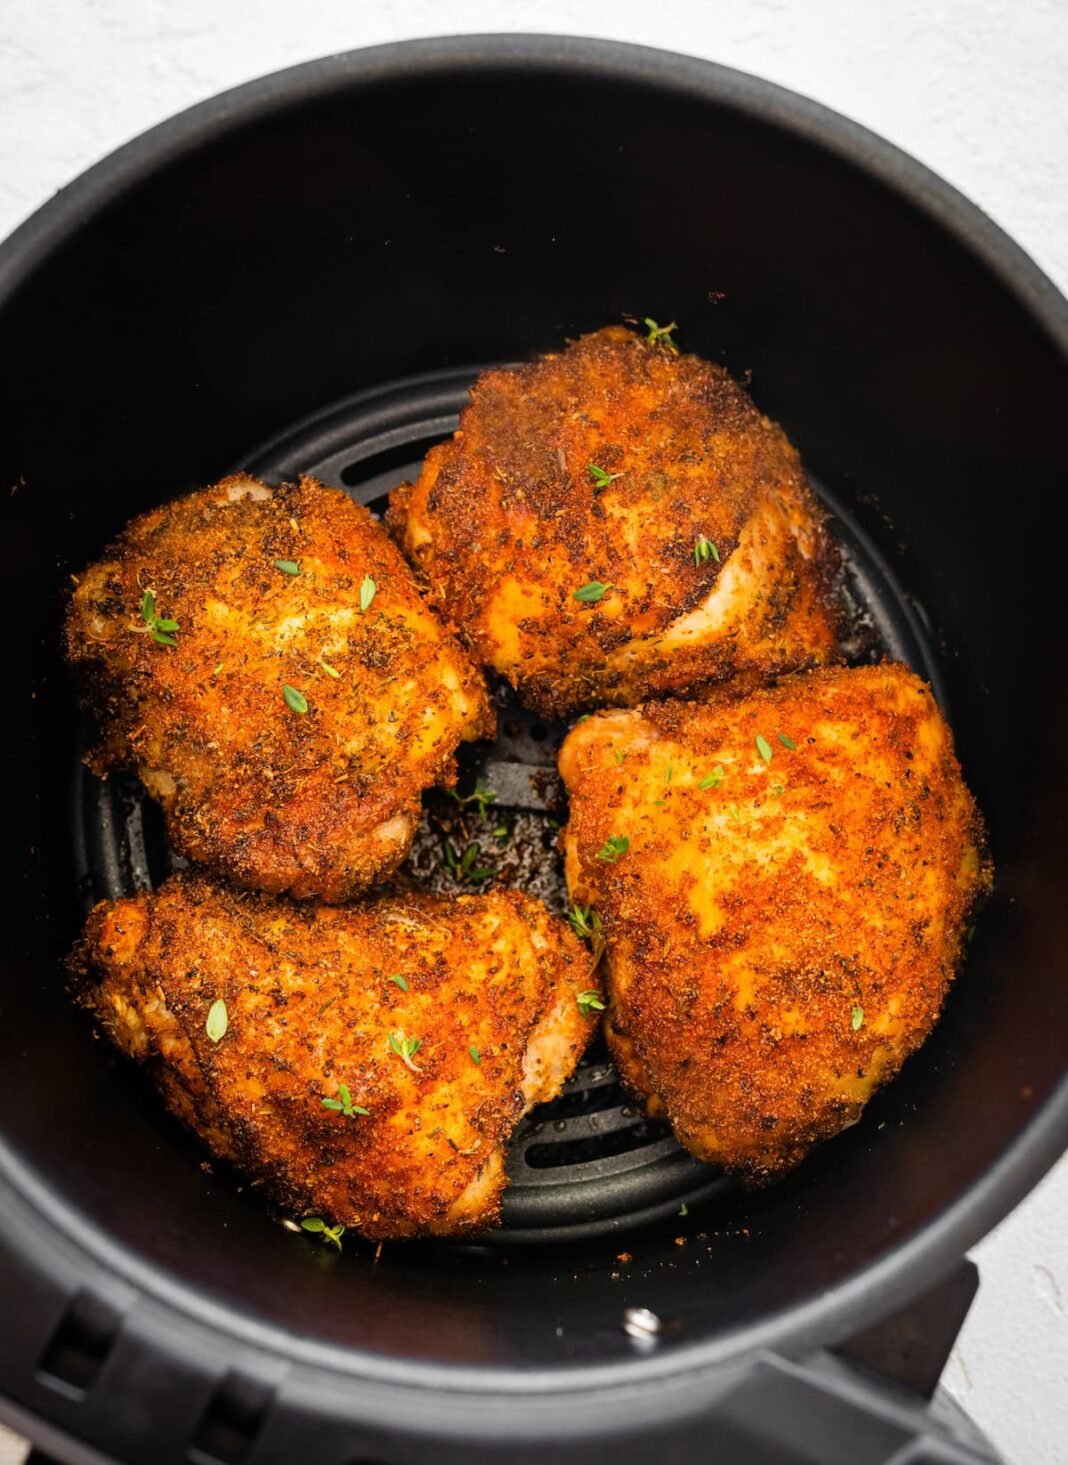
(306, 275)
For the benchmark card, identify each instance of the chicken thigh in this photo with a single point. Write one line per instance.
(784, 881)
(368, 1063)
(263, 660)
(619, 521)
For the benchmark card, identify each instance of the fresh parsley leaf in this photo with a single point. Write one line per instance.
(661, 335)
(295, 701)
(218, 1021)
(330, 1234)
(592, 592)
(406, 1049)
(162, 627)
(856, 1018)
(343, 1103)
(713, 779)
(589, 1001)
(331, 671)
(614, 846)
(763, 747)
(401, 982)
(702, 549)
(288, 567)
(476, 1056)
(601, 479)
(368, 591)
(786, 742)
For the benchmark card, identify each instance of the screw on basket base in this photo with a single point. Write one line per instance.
(642, 1327)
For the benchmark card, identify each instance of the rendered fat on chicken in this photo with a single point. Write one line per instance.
(264, 661)
(619, 521)
(429, 1026)
(784, 881)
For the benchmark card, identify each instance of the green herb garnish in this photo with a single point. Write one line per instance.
(763, 747)
(368, 591)
(162, 628)
(343, 1103)
(476, 1056)
(856, 1019)
(614, 846)
(593, 591)
(464, 867)
(713, 779)
(318, 1227)
(618, 756)
(586, 924)
(661, 335)
(732, 810)
(786, 742)
(406, 1049)
(218, 1021)
(295, 701)
(288, 567)
(482, 796)
(589, 1001)
(684, 1209)
(702, 549)
(331, 671)
(402, 982)
(601, 479)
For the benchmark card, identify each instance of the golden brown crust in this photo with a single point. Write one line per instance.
(506, 522)
(311, 1006)
(748, 921)
(321, 803)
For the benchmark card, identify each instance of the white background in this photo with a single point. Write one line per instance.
(977, 89)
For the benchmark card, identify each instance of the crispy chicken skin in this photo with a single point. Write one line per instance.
(507, 521)
(780, 940)
(322, 802)
(490, 989)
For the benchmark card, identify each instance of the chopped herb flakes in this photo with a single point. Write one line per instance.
(763, 747)
(330, 1234)
(703, 549)
(295, 701)
(476, 1056)
(589, 1001)
(331, 671)
(343, 1103)
(162, 627)
(786, 742)
(661, 335)
(713, 779)
(401, 982)
(218, 1021)
(601, 479)
(590, 593)
(856, 1019)
(406, 1049)
(288, 567)
(368, 591)
(614, 846)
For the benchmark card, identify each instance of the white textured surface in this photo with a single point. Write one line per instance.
(977, 89)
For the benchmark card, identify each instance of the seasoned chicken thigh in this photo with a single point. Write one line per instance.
(368, 1063)
(263, 659)
(784, 881)
(619, 521)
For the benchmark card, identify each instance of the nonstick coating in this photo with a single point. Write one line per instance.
(424, 208)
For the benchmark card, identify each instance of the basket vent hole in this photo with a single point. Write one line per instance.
(596, 1147)
(390, 466)
(80, 1345)
(231, 1422)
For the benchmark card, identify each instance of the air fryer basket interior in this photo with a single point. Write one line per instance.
(410, 214)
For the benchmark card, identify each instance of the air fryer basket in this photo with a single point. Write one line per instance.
(305, 275)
